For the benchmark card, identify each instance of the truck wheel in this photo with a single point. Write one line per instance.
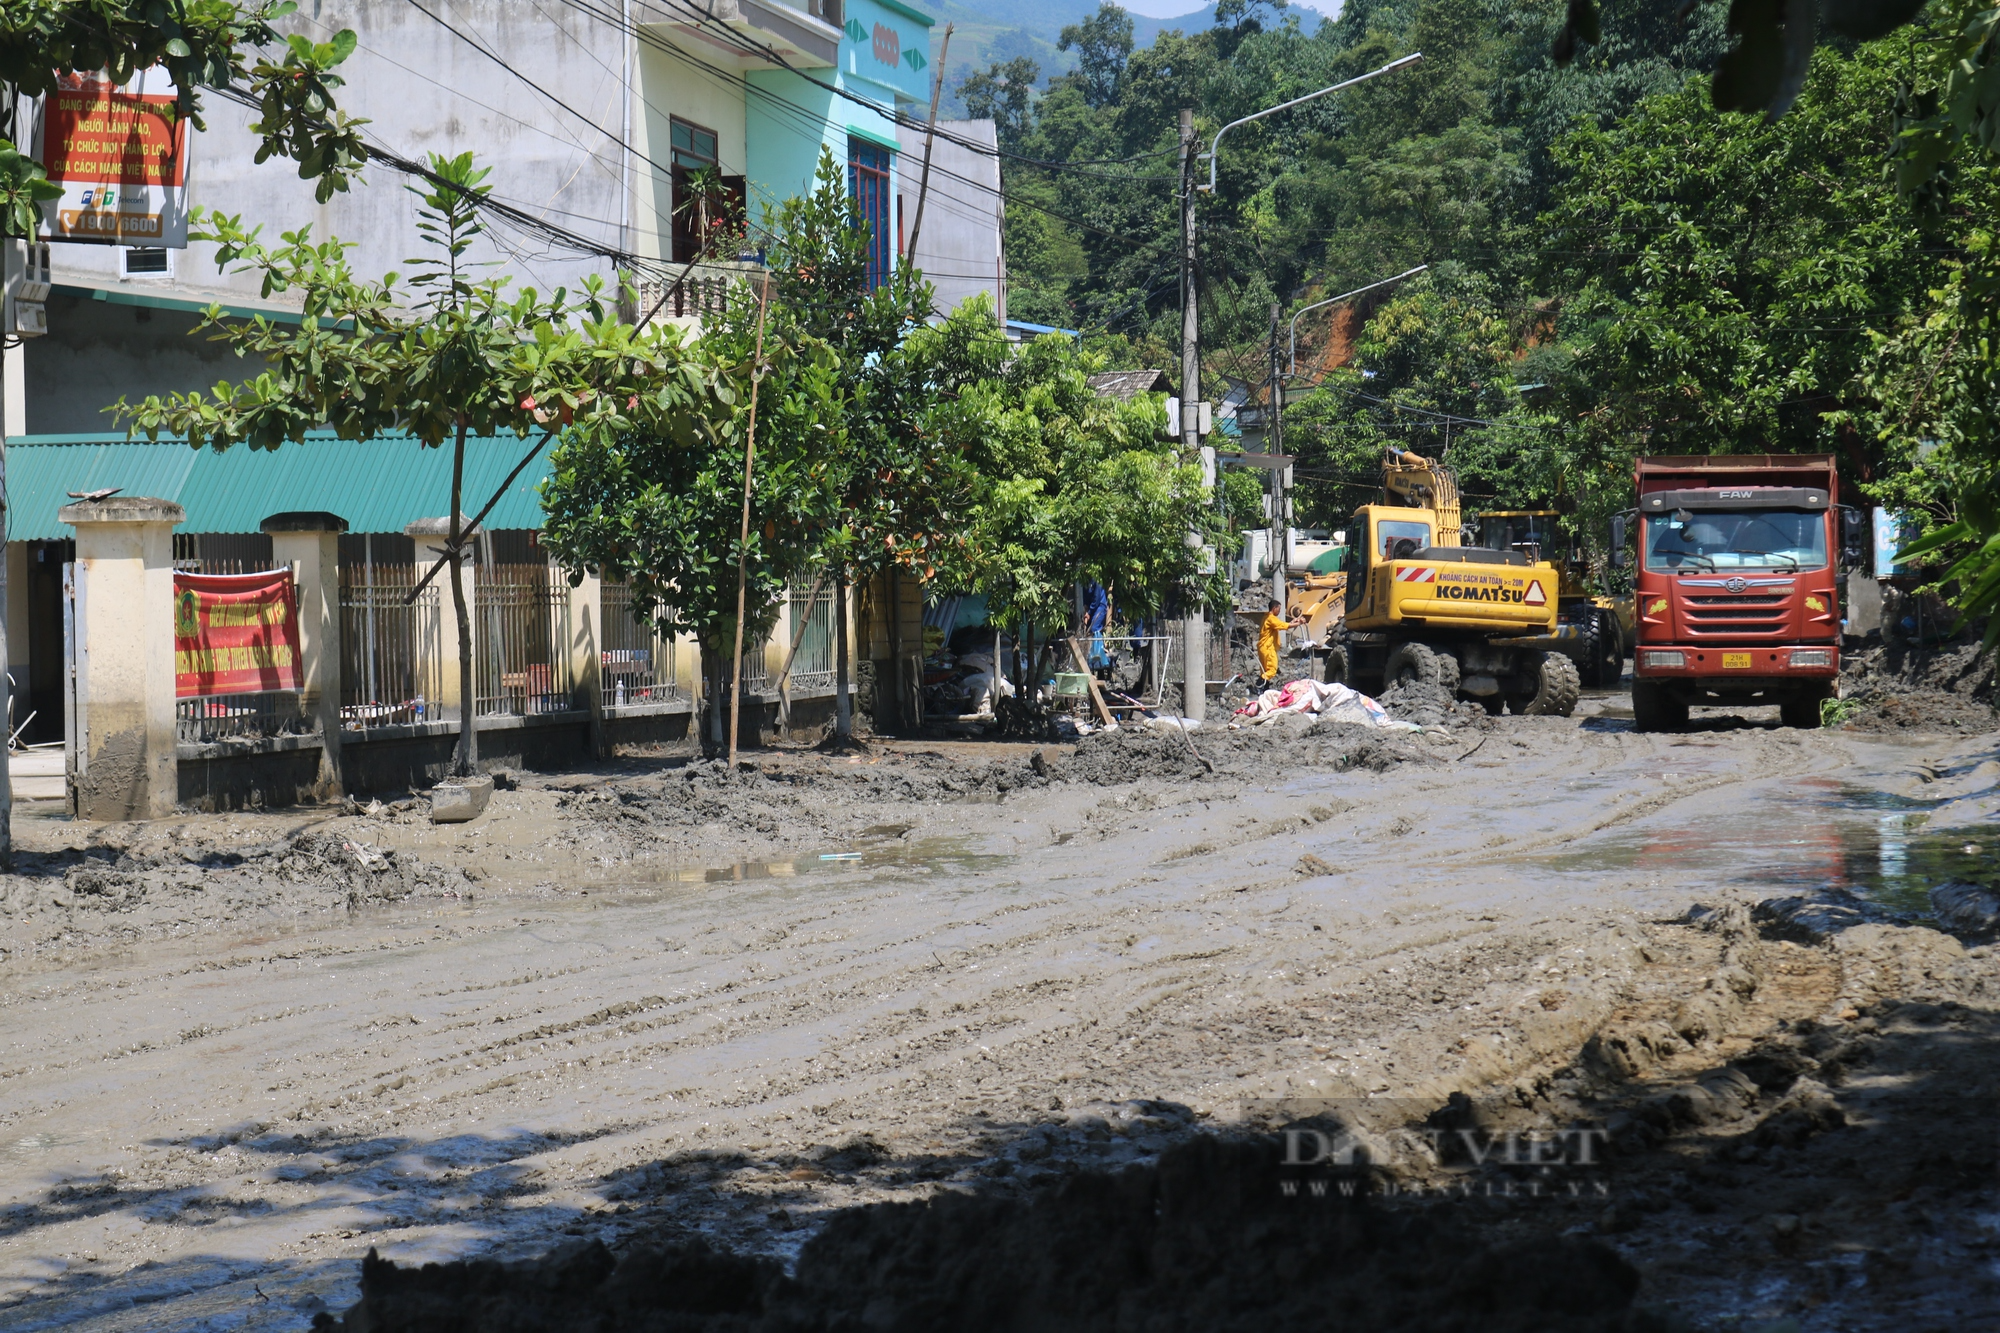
(1800, 711)
(1419, 662)
(1602, 662)
(1557, 688)
(1654, 709)
(1336, 666)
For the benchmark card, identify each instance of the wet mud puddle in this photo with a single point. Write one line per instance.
(1820, 834)
(884, 854)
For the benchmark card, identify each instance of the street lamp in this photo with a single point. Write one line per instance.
(1334, 300)
(1216, 143)
(1195, 633)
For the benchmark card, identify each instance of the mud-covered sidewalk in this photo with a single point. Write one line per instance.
(663, 1004)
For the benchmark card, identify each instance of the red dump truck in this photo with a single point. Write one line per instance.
(1736, 585)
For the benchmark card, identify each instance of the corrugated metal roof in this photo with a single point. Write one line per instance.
(377, 486)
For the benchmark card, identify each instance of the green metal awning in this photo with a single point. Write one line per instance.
(377, 486)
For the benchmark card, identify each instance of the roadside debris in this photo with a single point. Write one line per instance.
(1333, 701)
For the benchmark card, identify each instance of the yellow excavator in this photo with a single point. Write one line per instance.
(1592, 626)
(1422, 606)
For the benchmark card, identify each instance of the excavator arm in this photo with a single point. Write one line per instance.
(1416, 482)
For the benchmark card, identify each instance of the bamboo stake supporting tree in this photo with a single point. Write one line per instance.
(467, 756)
(743, 541)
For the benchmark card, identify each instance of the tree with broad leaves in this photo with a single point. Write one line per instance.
(1076, 488)
(440, 357)
(658, 503)
(899, 486)
(1003, 94)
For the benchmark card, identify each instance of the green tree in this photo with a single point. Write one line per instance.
(1078, 488)
(1103, 43)
(897, 493)
(657, 501)
(1726, 277)
(1004, 93)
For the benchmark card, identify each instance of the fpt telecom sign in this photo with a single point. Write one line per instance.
(120, 156)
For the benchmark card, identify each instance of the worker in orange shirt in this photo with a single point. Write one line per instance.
(1267, 646)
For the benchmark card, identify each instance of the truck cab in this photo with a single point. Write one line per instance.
(1737, 586)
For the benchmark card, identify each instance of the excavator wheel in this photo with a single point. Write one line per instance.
(1336, 666)
(1419, 662)
(1557, 689)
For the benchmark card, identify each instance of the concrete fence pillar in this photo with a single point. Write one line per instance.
(430, 535)
(310, 543)
(125, 659)
(586, 653)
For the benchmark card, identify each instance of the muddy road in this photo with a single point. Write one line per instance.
(661, 1001)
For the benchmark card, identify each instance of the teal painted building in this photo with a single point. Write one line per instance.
(883, 59)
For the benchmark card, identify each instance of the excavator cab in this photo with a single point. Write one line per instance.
(1380, 533)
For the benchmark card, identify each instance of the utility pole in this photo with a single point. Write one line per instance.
(1194, 704)
(930, 133)
(1281, 531)
(10, 358)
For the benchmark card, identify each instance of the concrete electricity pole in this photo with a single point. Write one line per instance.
(1194, 704)
(1274, 444)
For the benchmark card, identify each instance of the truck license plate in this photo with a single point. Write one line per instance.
(1735, 661)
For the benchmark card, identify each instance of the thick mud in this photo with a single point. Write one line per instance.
(1929, 688)
(876, 1039)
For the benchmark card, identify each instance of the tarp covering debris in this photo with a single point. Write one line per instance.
(1311, 696)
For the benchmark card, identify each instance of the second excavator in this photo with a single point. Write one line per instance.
(1421, 606)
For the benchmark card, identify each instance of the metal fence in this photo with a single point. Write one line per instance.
(392, 663)
(756, 667)
(521, 629)
(215, 717)
(812, 665)
(639, 665)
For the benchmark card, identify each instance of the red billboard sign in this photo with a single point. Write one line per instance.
(120, 155)
(235, 633)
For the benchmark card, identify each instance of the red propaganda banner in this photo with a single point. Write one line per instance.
(98, 133)
(235, 633)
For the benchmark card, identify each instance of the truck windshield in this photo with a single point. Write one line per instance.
(1736, 539)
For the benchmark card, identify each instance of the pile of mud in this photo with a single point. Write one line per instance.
(1431, 706)
(1133, 754)
(773, 798)
(1206, 1239)
(1904, 687)
(151, 887)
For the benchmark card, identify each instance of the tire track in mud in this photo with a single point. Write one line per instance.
(772, 1017)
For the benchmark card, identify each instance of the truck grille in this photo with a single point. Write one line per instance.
(1749, 614)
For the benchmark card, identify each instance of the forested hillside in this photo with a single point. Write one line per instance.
(1615, 266)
